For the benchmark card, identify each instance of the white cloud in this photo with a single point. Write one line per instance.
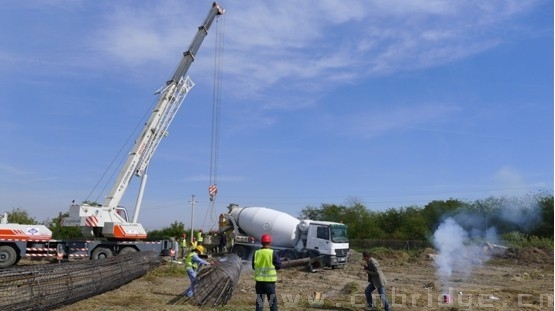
(269, 44)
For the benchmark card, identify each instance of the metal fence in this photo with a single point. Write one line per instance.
(393, 244)
(50, 286)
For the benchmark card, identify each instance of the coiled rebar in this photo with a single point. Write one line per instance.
(50, 286)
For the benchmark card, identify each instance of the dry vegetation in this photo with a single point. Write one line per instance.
(522, 281)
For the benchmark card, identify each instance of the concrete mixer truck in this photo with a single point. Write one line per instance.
(292, 238)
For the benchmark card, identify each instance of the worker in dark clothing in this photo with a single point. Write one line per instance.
(222, 243)
(265, 263)
(376, 280)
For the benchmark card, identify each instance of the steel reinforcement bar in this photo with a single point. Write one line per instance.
(50, 286)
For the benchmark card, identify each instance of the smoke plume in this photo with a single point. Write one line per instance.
(460, 250)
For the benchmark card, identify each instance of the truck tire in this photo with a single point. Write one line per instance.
(101, 252)
(313, 254)
(8, 256)
(289, 254)
(127, 250)
(240, 251)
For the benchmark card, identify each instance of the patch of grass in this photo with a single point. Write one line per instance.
(351, 288)
(518, 240)
(169, 270)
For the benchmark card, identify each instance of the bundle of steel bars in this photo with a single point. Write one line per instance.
(215, 285)
(50, 286)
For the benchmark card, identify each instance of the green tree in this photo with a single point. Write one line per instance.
(545, 228)
(390, 221)
(61, 232)
(20, 216)
(176, 230)
(413, 224)
(435, 211)
(367, 227)
(332, 212)
(358, 220)
(362, 224)
(311, 212)
(486, 212)
(326, 212)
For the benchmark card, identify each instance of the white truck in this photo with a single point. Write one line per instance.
(106, 227)
(293, 238)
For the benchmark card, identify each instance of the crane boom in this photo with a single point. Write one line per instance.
(106, 218)
(155, 129)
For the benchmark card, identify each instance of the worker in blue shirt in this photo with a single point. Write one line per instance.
(192, 265)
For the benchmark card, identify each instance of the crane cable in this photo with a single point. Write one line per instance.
(216, 107)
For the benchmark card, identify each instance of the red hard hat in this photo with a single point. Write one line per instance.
(266, 238)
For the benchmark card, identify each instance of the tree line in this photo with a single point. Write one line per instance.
(530, 215)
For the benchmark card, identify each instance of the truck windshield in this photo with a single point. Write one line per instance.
(339, 233)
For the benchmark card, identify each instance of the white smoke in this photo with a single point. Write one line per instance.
(460, 250)
(523, 212)
(456, 253)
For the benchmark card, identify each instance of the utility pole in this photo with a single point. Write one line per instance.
(193, 202)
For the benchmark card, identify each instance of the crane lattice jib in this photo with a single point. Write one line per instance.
(174, 101)
(156, 127)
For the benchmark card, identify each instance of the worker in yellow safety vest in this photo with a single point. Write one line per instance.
(265, 263)
(200, 237)
(192, 265)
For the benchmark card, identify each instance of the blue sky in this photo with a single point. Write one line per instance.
(389, 103)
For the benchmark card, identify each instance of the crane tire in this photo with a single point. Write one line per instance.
(101, 252)
(8, 256)
(127, 250)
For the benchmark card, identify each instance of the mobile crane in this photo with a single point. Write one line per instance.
(108, 226)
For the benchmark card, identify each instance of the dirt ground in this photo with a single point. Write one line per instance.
(522, 281)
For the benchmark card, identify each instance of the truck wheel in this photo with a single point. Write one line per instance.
(289, 254)
(313, 254)
(240, 251)
(127, 250)
(101, 252)
(8, 256)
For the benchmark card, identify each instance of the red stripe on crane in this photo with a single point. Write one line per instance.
(91, 221)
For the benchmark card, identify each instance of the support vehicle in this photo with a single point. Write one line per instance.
(292, 238)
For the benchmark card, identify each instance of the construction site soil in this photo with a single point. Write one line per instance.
(513, 281)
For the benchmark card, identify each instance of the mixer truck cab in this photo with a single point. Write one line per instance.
(291, 237)
(326, 239)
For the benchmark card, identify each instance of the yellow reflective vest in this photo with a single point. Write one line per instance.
(189, 262)
(264, 269)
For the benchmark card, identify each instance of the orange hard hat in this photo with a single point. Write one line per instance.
(266, 238)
